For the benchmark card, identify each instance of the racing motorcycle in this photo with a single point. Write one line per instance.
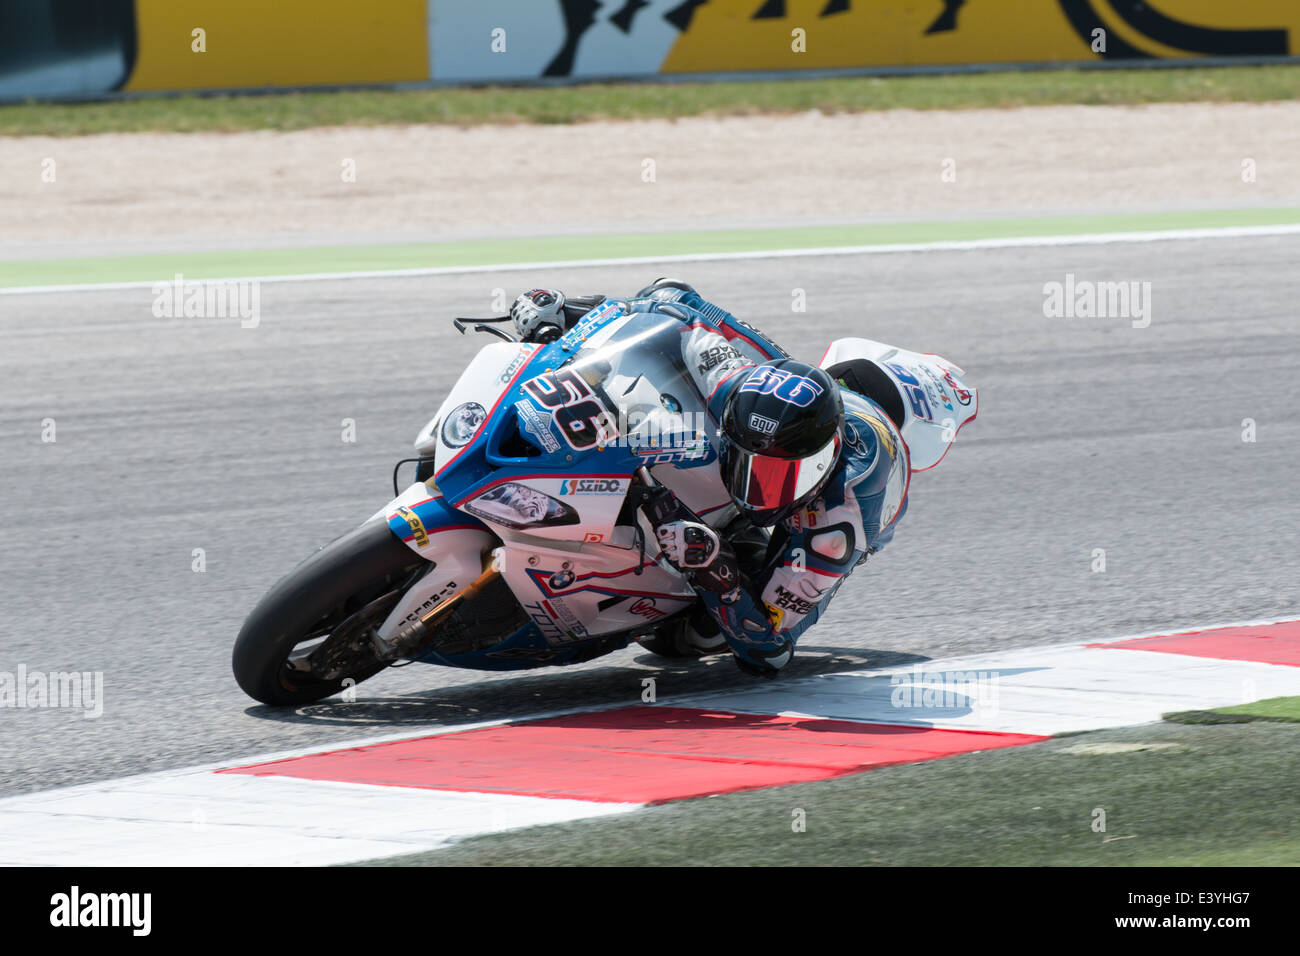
(527, 536)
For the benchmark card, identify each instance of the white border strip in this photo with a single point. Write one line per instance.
(955, 245)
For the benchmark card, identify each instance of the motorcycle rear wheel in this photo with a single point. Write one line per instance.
(351, 583)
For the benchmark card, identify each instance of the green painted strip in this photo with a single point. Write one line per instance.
(335, 259)
(1287, 708)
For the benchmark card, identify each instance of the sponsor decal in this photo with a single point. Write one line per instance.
(415, 524)
(854, 440)
(717, 355)
(963, 395)
(515, 365)
(566, 617)
(533, 423)
(590, 322)
(682, 448)
(762, 424)
(593, 537)
(645, 608)
(810, 517)
(430, 603)
(550, 630)
(792, 389)
(775, 615)
(789, 601)
(883, 433)
(934, 388)
(593, 486)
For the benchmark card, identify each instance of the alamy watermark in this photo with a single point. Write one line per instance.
(69, 690)
(1085, 299)
(976, 691)
(209, 299)
(133, 911)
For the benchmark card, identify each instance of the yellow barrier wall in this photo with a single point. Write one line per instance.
(253, 43)
(296, 43)
(738, 35)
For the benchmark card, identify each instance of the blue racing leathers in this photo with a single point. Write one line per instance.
(812, 552)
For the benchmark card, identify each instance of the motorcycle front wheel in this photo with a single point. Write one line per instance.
(310, 634)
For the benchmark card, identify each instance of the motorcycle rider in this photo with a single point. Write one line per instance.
(823, 466)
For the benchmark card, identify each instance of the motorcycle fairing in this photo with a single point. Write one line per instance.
(555, 599)
(935, 399)
(581, 565)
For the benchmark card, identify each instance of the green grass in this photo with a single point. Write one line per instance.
(1285, 709)
(571, 104)
(1212, 796)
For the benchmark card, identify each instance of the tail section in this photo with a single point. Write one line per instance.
(926, 395)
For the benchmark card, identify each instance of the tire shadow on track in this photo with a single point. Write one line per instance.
(525, 696)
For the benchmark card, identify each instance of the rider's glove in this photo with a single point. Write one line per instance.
(537, 310)
(688, 545)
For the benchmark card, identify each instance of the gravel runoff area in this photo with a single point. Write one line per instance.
(124, 190)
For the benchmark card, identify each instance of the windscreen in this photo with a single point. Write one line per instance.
(634, 364)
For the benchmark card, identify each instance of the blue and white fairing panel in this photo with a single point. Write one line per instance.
(937, 402)
(539, 445)
(572, 421)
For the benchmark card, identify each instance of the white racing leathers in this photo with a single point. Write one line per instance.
(814, 550)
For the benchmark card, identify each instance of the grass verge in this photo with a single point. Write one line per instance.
(1283, 709)
(1172, 795)
(571, 104)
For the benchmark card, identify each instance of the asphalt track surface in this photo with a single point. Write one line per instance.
(176, 434)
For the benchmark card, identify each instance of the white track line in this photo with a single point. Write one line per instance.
(1041, 691)
(956, 245)
(191, 818)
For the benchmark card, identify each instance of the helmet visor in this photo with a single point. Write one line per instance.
(763, 483)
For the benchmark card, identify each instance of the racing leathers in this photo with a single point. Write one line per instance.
(763, 607)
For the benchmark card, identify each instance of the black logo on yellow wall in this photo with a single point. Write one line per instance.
(1139, 20)
(775, 9)
(580, 16)
(1141, 17)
